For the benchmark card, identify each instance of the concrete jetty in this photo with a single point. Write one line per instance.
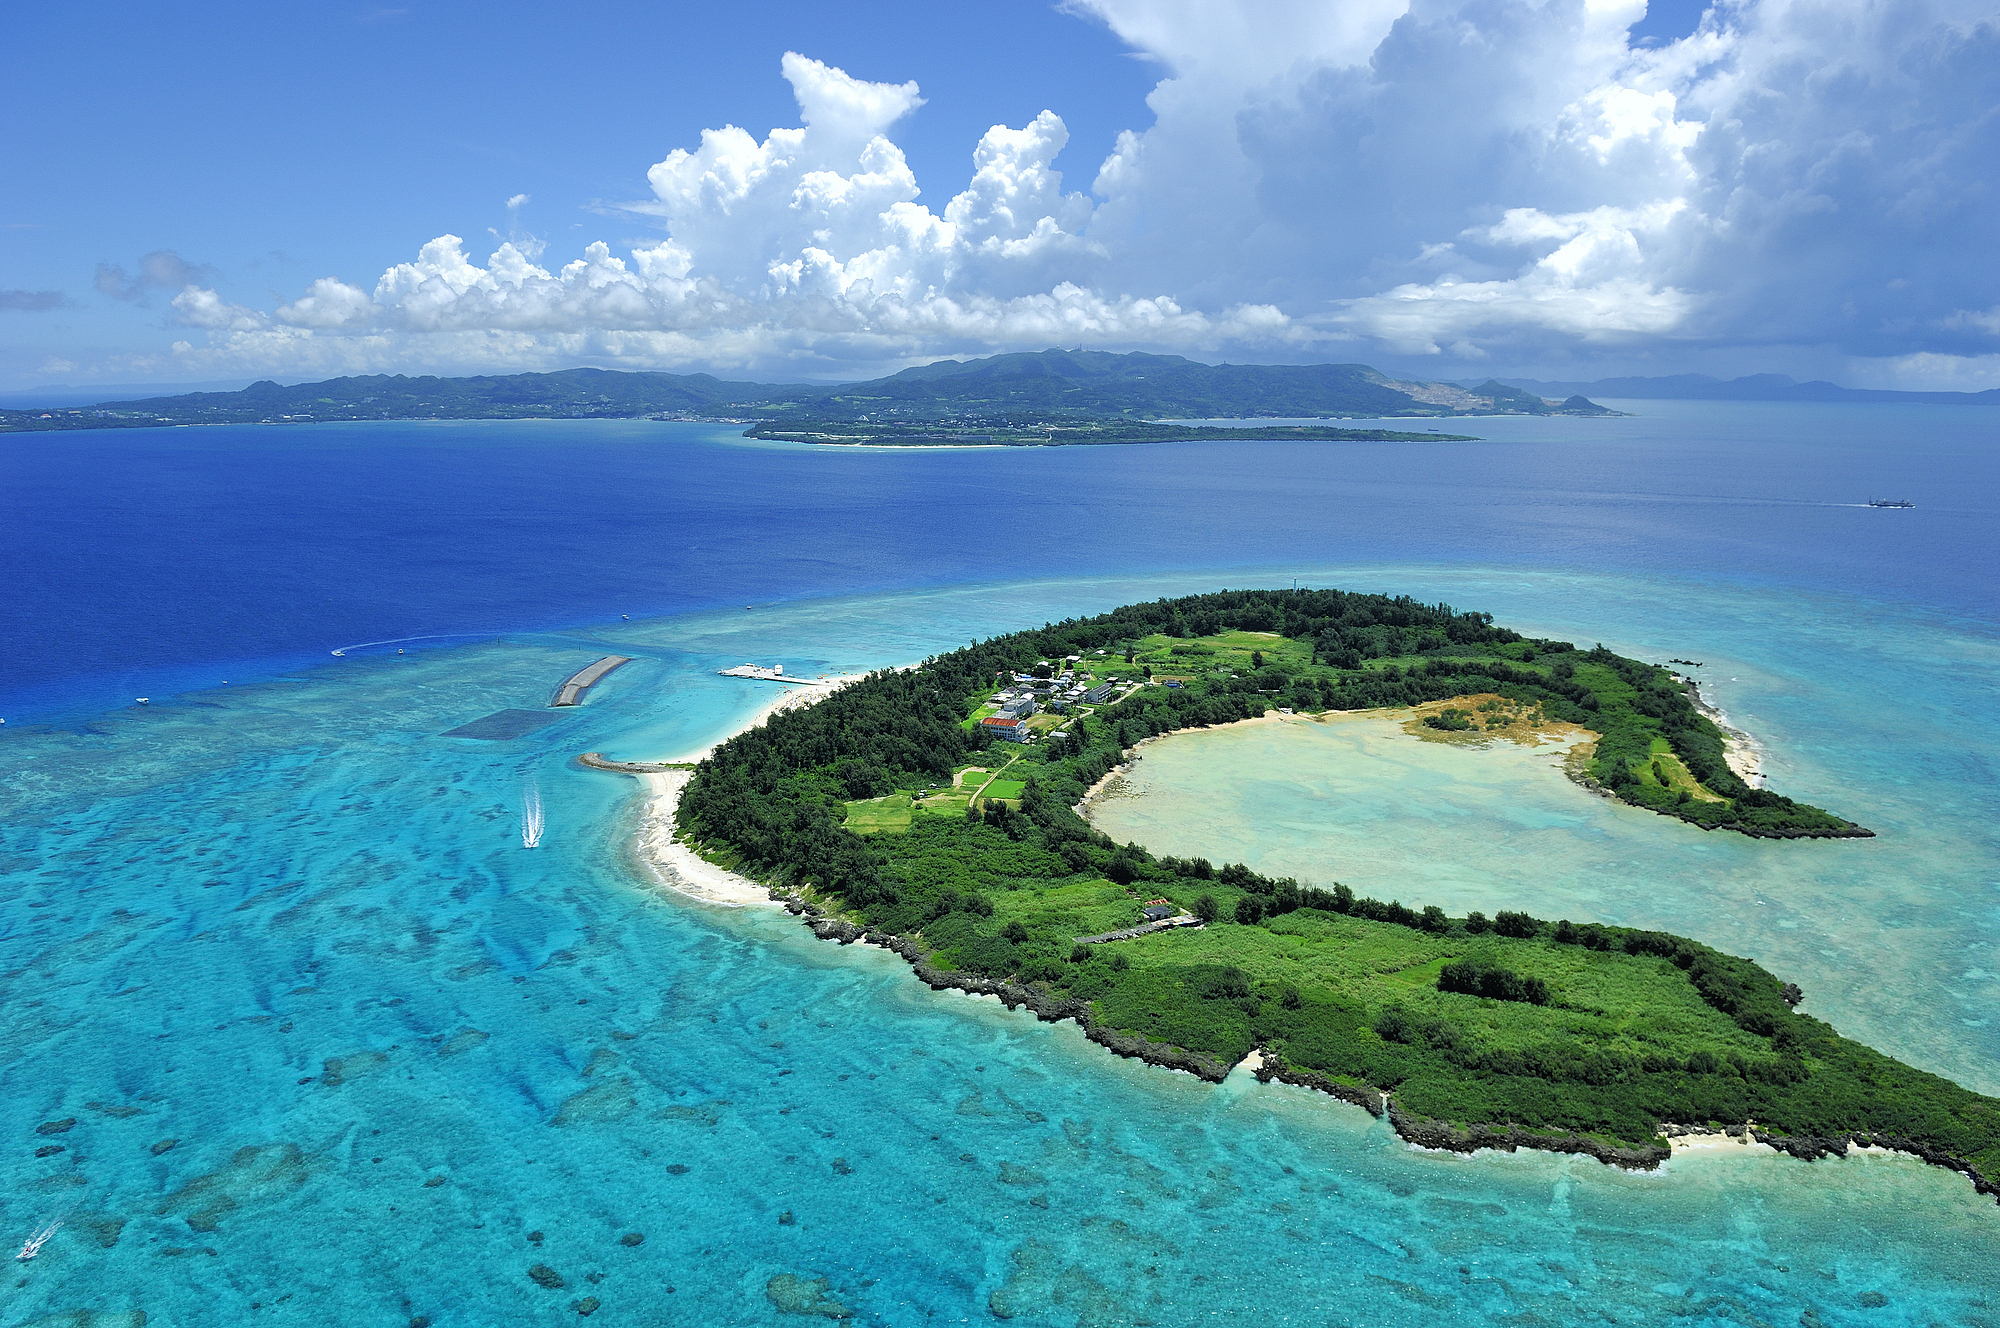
(598, 761)
(571, 692)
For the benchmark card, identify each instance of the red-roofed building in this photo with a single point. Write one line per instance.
(1007, 730)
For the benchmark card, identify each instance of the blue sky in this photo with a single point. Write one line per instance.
(1438, 187)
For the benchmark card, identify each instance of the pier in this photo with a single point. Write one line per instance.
(571, 692)
(775, 673)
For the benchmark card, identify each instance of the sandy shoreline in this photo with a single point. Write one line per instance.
(1741, 752)
(1718, 1143)
(675, 865)
(672, 863)
(789, 696)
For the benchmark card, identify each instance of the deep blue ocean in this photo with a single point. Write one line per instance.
(336, 1049)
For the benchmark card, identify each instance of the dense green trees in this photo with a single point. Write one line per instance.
(981, 891)
(1497, 984)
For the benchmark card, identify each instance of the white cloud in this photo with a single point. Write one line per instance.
(1459, 178)
(1926, 372)
(806, 246)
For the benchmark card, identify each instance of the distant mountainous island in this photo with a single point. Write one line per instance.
(1755, 387)
(1053, 396)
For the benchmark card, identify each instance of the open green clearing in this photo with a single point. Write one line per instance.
(874, 816)
(1558, 1028)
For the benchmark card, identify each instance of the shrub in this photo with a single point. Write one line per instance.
(1497, 984)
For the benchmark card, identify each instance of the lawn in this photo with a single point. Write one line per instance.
(1228, 652)
(875, 816)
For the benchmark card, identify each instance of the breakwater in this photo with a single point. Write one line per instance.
(598, 762)
(571, 692)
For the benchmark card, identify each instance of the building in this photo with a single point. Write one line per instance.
(1007, 730)
(1160, 912)
(1099, 692)
(1019, 707)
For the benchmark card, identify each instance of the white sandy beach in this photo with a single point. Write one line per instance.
(1740, 751)
(1718, 1143)
(675, 865)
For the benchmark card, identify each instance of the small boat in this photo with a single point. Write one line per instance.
(1890, 502)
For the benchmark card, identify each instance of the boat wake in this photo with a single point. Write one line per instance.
(531, 816)
(33, 1244)
(396, 641)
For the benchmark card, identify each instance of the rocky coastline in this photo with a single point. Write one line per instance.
(1014, 995)
(1420, 1131)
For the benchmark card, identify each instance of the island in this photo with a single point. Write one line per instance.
(934, 810)
(1067, 432)
(1052, 396)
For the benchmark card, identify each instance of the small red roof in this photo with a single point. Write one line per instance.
(1000, 723)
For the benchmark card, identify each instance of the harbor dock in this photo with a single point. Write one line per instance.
(571, 692)
(776, 673)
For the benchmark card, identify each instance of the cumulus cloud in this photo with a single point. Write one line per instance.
(1472, 180)
(1487, 177)
(808, 245)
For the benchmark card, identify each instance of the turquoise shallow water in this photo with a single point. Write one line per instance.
(292, 928)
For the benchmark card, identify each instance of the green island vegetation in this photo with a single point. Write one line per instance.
(1066, 433)
(897, 809)
(1053, 396)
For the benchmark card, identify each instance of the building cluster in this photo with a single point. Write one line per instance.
(1058, 687)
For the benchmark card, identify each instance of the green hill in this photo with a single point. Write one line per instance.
(1055, 386)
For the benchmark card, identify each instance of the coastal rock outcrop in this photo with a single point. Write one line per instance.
(1810, 1148)
(1507, 1138)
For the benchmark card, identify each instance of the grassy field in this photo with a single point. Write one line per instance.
(1225, 652)
(1615, 1003)
(875, 816)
